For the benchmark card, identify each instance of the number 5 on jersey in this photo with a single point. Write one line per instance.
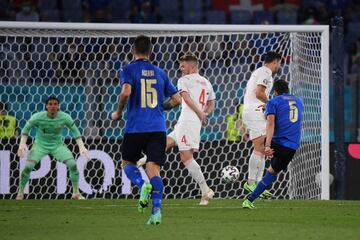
(293, 113)
(148, 93)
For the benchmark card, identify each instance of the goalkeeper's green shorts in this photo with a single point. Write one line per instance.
(60, 153)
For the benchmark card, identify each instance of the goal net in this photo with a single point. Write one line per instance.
(79, 63)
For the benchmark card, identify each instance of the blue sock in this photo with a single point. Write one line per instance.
(157, 192)
(265, 182)
(133, 173)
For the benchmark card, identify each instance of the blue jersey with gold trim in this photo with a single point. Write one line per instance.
(150, 86)
(288, 110)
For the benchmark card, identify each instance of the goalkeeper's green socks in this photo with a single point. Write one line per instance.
(74, 174)
(25, 175)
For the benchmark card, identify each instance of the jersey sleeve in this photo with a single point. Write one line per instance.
(70, 123)
(124, 76)
(211, 93)
(170, 89)
(270, 108)
(263, 79)
(182, 86)
(32, 122)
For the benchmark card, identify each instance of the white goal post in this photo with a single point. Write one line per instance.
(79, 62)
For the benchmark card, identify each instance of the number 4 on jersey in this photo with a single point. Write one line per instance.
(183, 139)
(202, 98)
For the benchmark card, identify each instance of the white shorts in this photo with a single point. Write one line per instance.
(186, 135)
(256, 124)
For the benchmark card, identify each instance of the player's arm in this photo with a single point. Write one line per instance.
(173, 101)
(23, 148)
(122, 101)
(210, 106)
(186, 96)
(260, 93)
(70, 123)
(270, 128)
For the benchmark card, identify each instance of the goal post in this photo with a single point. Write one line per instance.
(79, 62)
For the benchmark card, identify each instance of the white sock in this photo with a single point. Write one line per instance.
(254, 163)
(195, 171)
(261, 168)
(141, 161)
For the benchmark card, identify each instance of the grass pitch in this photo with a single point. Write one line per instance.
(182, 219)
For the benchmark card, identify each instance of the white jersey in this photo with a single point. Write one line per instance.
(200, 91)
(261, 76)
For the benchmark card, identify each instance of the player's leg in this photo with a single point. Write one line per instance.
(35, 156)
(141, 161)
(257, 130)
(132, 173)
(64, 155)
(155, 151)
(265, 182)
(188, 141)
(153, 172)
(256, 160)
(280, 161)
(194, 169)
(256, 166)
(24, 178)
(131, 149)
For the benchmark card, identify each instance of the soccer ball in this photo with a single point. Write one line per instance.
(229, 174)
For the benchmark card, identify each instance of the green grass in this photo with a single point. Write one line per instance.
(182, 219)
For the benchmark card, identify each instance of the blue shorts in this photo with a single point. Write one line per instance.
(282, 157)
(152, 144)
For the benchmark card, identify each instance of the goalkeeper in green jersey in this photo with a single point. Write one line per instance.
(48, 140)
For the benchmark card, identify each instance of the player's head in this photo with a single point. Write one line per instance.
(272, 60)
(142, 47)
(52, 105)
(188, 64)
(281, 87)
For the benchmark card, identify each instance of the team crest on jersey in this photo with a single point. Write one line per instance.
(265, 81)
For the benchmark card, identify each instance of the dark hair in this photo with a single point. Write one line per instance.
(281, 86)
(188, 57)
(142, 45)
(52, 98)
(271, 56)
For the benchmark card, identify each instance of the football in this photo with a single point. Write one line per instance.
(229, 174)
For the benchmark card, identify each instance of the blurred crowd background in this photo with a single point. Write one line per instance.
(180, 11)
(213, 12)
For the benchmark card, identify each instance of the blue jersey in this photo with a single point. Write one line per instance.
(288, 110)
(150, 86)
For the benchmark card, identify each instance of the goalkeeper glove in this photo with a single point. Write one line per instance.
(23, 148)
(82, 149)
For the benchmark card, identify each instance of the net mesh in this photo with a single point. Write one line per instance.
(81, 68)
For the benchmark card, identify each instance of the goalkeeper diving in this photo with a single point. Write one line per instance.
(49, 125)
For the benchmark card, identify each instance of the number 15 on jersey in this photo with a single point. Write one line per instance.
(148, 93)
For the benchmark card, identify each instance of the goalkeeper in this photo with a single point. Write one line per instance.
(49, 125)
